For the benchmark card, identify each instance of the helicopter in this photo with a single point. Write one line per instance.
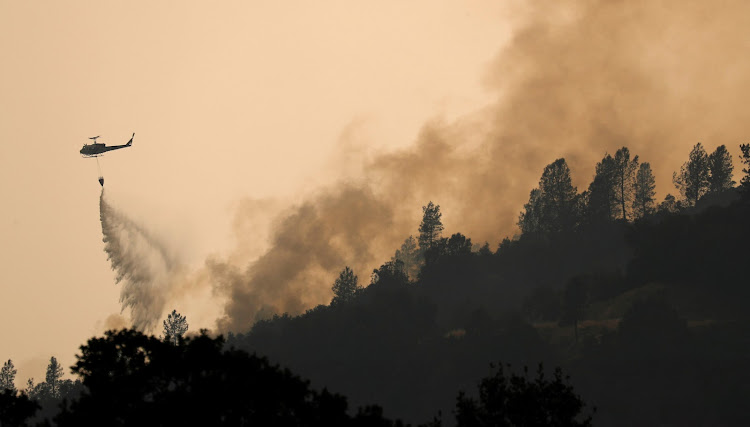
(96, 149)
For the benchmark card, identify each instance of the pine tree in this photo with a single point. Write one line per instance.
(601, 194)
(624, 170)
(409, 256)
(431, 228)
(670, 205)
(53, 377)
(8, 376)
(745, 159)
(530, 219)
(720, 170)
(645, 184)
(345, 288)
(30, 388)
(175, 327)
(692, 181)
(551, 207)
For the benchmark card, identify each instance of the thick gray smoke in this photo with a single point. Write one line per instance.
(310, 243)
(579, 79)
(143, 266)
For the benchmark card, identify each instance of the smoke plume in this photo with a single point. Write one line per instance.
(579, 79)
(143, 266)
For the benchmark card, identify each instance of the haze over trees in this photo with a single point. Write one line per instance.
(594, 287)
(431, 228)
(409, 255)
(643, 305)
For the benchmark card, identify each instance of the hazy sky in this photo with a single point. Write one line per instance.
(230, 101)
(346, 117)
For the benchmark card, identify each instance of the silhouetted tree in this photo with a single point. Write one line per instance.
(601, 194)
(670, 205)
(720, 170)
(16, 409)
(345, 287)
(53, 378)
(458, 245)
(8, 376)
(504, 246)
(175, 327)
(409, 255)
(745, 159)
(624, 180)
(518, 400)
(389, 274)
(693, 179)
(30, 387)
(485, 249)
(552, 207)
(559, 195)
(431, 227)
(530, 219)
(645, 185)
(135, 379)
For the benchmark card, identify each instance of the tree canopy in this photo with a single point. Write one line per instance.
(645, 185)
(175, 327)
(345, 288)
(693, 178)
(517, 400)
(624, 172)
(8, 376)
(720, 170)
(551, 207)
(431, 228)
(136, 379)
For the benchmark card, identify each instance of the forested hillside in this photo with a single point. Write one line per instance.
(642, 302)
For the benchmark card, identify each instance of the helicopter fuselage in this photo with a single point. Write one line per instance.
(90, 150)
(98, 148)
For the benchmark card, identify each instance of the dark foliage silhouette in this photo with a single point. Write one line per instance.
(345, 288)
(8, 376)
(624, 169)
(135, 379)
(552, 206)
(644, 191)
(517, 400)
(720, 170)
(16, 409)
(693, 178)
(411, 344)
(745, 160)
(431, 227)
(175, 327)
